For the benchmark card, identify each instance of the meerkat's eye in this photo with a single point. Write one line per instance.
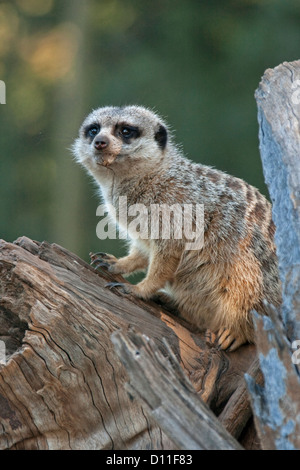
(92, 130)
(129, 132)
(126, 132)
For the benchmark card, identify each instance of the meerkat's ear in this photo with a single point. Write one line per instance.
(161, 136)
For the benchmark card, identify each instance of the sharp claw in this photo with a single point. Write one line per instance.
(100, 264)
(94, 259)
(113, 285)
(100, 253)
(97, 256)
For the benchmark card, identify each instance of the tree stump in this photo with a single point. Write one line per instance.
(63, 385)
(277, 405)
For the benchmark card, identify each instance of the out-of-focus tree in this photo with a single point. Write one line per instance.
(196, 63)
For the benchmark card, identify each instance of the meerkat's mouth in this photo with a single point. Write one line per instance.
(106, 159)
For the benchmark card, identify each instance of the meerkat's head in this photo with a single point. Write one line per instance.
(118, 136)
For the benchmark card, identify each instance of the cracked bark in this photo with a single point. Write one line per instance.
(63, 385)
(276, 405)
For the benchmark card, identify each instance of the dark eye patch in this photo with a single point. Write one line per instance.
(127, 132)
(91, 130)
(161, 137)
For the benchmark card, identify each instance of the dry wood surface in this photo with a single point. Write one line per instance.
(63, 385)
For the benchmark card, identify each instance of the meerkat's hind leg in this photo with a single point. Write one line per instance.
(210, 337)
(228, 341)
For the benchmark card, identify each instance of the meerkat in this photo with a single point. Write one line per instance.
(130, 152)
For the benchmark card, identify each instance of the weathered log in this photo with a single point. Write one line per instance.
(169, 396)
(237, 412)
(278, 101)
(63, 385)
(276, 405)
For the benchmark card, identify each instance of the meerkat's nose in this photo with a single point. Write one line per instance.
(101, 143)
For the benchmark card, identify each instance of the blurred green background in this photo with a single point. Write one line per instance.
(197, 63)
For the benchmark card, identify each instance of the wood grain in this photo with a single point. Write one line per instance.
(276, 404)
(169, 396)
(63, 386)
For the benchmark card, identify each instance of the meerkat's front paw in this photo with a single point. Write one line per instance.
(228, 341)
(105, 260)
(101, 259)
(136, 290)
(126, 288)
(120, 286)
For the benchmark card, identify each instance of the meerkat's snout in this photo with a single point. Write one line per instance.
(106, 149)
(101, 142)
